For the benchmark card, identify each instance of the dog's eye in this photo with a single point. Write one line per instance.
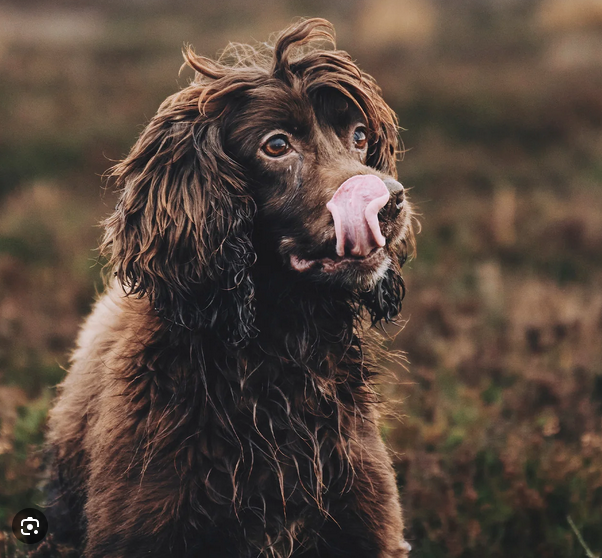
(277, 146)
(360, 139)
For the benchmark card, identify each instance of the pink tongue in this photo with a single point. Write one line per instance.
(354, 208)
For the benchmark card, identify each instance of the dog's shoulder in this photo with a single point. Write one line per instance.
(114, 318)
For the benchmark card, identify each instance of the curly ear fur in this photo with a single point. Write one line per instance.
(384, 301)
(180, 233)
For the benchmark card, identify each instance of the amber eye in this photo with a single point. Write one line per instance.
(277, 146)
(360, 140)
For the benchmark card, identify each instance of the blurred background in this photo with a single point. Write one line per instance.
(498, 433)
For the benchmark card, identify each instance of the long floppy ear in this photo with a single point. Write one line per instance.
(383, 302)
(384, 146)
(181, 231)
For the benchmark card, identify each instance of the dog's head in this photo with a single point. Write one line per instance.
(286, 156)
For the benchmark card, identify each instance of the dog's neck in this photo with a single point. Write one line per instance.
(298, 323)
(314, 315)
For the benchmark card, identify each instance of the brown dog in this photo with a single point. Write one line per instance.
(220, 401)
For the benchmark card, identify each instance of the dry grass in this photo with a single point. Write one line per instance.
(499, 434)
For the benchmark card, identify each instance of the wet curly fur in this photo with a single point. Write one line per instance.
(220, 402)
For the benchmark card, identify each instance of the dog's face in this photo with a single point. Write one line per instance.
(299, 150)
(284, 159)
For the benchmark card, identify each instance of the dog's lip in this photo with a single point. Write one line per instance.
(331, 264)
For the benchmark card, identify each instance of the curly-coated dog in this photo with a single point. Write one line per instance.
(220, 401)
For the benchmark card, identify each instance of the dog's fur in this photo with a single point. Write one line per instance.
(220, 401)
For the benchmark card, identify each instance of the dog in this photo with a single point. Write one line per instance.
(221, 401)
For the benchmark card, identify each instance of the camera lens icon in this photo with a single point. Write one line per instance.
(30, 526)
(27, 526)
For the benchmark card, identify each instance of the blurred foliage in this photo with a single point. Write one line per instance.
(498, 432)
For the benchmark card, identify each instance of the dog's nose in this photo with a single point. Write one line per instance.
(396, 199)
(396, 189)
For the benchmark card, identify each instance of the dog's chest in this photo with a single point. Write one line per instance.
(274, 464)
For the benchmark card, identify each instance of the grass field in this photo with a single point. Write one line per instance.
(497, 426)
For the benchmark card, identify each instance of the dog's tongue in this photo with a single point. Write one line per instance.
(354, 208)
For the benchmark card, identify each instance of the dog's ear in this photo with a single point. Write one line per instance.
(384, 145)
(383, 302)
(181, 231)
